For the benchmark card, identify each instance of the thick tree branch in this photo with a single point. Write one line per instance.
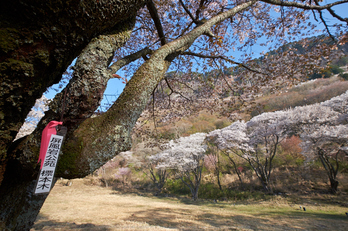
(178, 46)
(184, 30)
(84, 93)
(303, 6)
(111, 130)
(42, 39)
(153, 109)
(154, 15)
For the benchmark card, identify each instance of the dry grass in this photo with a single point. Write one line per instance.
(91, 207)
(313, 92)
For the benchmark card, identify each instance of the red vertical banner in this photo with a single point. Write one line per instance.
(49, 130)
(49, 164)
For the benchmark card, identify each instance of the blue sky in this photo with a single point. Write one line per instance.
(115, 86)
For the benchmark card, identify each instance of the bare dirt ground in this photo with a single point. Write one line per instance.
(90, 207)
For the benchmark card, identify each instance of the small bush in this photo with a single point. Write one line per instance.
(210, 191)
(175, 186)
(167, 132)
(280, 102)
(123, 174)
(201, 126)
(342, 61)
(327, 92)
(221, 123)
(323, 74)
(335, 69)
(291, 145)
(344, 76)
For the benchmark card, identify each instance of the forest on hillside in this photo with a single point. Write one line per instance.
(228, 174)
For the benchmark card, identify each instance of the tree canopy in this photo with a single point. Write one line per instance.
(321, 127)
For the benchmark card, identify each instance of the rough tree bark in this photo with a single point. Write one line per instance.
(90, 143)
(38, 40)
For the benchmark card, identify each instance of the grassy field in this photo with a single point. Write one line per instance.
(83, 206)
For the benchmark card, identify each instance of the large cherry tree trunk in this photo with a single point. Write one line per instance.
(38, 41)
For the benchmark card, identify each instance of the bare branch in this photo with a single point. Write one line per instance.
(128, 59)
(199, 8)
(324, 22)
(223, 58)
(183, 83)
(337, 16)
(230, 87)
(223, 76)
(315, 17)
(188, 12)
(195, 20)
(154, 15)
(173, 91)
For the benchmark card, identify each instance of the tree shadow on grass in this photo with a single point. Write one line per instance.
(308, 214)
(322, 198)
(183, 219)
(187, 219)
(43, 223)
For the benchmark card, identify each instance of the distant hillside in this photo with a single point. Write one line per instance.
(329, 68)
(311, 92)
(186, 103)
(187, 123)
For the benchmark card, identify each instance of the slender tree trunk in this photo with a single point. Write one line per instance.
(261, 176)
(236, 170)
(194, 184)
(331, 171)
(218, 179)
(195, 194)
(217, 171)
(333, 186)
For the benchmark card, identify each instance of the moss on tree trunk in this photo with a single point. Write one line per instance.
(38, 40)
